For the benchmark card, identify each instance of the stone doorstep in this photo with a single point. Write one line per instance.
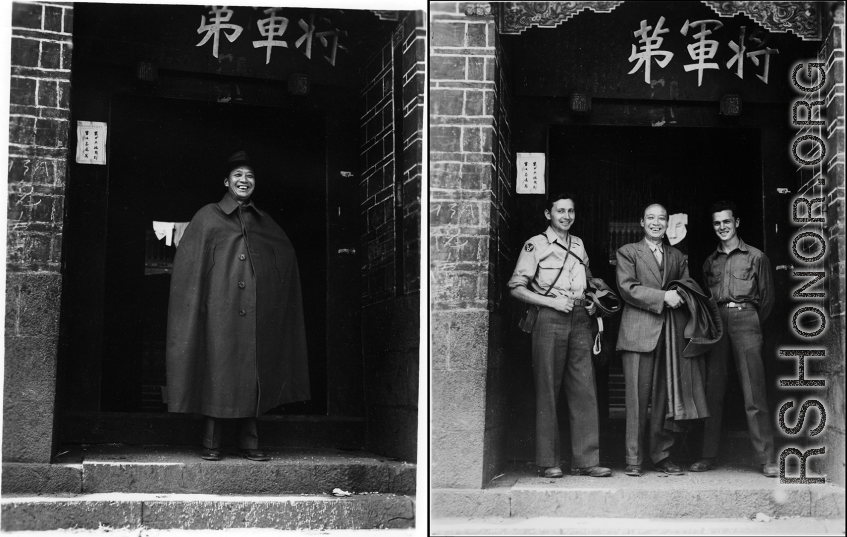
(179, 470)
(633, 526)
(727, 492)
(201, 511)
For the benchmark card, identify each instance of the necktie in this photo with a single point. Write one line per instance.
(658, 253)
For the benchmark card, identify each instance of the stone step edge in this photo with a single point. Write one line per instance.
(516, 502)
(206, 511)
(635, 526)
(97, 476)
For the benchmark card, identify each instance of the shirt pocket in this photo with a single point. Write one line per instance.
(743, 283)
(714, 282)
(548, 269)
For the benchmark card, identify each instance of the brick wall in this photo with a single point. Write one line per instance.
(391, 156)
(38, 153)
(832, 53)
(470, 203)
(390, 189)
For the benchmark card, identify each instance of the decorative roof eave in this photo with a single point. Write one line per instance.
(800, 18)
(803, 19)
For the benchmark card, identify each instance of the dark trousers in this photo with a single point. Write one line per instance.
(248, 437)
(638, 378)
(742, 338)
(561, 353)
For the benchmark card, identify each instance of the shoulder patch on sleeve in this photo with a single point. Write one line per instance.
(529, 247)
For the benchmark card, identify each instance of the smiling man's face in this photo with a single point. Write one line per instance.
(562, 215)
(241, 183)
(655, 221)
(725, 225)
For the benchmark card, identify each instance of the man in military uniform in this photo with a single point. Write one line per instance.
(550, 274)
(236, 338)
(739, 278)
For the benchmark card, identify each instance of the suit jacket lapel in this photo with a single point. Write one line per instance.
(648, 257)
(670, 266)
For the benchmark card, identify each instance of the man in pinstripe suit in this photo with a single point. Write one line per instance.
(643, 269)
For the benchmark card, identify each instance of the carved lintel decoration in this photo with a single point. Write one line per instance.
(803, 19)
(478, 9)
(800, 18)
(386, 15)
(515, 17)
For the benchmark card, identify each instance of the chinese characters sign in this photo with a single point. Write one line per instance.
(90, 142)
(702, 51)
(272, 27)
(530, 173)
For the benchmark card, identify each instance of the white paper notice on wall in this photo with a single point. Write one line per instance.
(90, 142)
(531, 173)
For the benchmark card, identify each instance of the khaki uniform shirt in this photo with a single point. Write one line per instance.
(742, 275)
(539, 263)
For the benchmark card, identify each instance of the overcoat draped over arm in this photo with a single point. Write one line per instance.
(683, 348)
(236, 344)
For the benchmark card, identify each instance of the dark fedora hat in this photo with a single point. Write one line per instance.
(237, 159)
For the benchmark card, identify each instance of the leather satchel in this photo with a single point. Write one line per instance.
(530, 314)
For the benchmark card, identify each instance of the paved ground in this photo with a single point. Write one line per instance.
(237, 532)
(633, 526)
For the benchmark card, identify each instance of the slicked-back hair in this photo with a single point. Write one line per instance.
(651, 204)
(560, 196)
(723, 205)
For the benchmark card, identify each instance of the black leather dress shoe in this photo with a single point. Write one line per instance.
(704, 465)
(633, 470)
(254, 454)
(592, 471)
(667, 466)
(553, 471)
(211, 454)
(770, 469)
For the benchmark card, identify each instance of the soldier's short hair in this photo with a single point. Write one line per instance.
(723, 205)
(560, 196)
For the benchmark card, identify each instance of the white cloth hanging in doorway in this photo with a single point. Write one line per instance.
(676, 227)
(164, 230)
(179, 229)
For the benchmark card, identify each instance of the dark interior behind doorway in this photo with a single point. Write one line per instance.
(614, 172)
(166, 163)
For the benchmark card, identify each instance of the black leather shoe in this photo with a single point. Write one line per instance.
(704, 465)
(592, 471)
(254, 454)
(553, 471)
(667, 466)
(770, 469)
(633, 470)
(211, 454)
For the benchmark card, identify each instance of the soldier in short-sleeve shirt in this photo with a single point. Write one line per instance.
(561, 340)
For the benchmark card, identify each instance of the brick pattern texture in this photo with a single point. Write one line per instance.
(392, 154)
(391, 160)
(470, 202)
(832, 170)
(38, 152)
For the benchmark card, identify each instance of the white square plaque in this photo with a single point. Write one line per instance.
(530, 173)
(90, 142)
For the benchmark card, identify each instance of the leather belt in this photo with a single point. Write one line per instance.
(739, 305)
(580, 302)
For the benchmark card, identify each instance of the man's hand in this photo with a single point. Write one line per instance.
(672, 299)
(591, 308)
(562, 303)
